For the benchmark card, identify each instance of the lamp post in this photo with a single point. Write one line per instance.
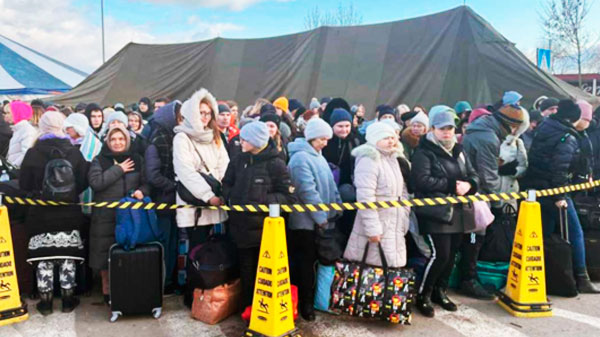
(102, 16)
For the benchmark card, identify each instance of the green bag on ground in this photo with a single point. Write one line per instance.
(492, 273)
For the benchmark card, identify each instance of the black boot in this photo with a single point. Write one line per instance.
(472, 288)
(424, 304)
(307, 311)
(585, 285)
(440, 297)
(69, 301)
(44, 306)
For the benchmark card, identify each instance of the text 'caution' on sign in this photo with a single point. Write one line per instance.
(525, 292)
(272, 308)
(12, 310)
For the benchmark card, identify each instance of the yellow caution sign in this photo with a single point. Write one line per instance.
(525, 292)
(12, 310)
(272, 311)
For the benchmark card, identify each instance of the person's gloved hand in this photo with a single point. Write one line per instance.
(508, 169)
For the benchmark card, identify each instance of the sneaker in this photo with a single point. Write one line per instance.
(474, 289)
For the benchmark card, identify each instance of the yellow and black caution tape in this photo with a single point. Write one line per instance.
(315, 207)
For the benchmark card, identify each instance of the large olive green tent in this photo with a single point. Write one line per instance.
(439, 58)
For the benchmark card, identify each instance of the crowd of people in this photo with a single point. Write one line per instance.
(282, 152)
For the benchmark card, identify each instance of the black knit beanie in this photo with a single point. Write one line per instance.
(568, 111)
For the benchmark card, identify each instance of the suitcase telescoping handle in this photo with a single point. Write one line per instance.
(564, 224)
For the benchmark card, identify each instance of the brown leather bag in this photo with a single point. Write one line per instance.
(214, 305)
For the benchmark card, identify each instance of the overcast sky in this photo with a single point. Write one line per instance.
(69, 30)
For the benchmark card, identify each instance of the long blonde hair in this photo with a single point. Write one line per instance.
(38, 111)
(278, 141)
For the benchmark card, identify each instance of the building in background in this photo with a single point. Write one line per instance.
(590, 82)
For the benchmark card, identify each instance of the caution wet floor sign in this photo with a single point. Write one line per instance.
(272, 309)
(11, 308)
(525, 292)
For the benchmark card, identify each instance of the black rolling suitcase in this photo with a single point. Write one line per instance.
(558, 261)
(592, 253)
(588, 211)
(136, 280)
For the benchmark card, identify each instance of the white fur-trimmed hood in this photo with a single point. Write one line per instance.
(370, 151)
(190, 110)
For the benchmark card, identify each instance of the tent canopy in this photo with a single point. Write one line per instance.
(24, 71)
(435, 59)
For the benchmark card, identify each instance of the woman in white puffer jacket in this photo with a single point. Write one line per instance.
(377, 177)
(197, 147)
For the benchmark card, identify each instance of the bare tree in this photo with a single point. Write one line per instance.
(563, 22)
(341, 16)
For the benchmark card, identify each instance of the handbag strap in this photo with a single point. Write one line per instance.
(199, 155)
(384, 263)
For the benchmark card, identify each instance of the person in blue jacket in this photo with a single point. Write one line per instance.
(314, 184)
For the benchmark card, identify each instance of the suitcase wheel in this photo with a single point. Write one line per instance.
(115, 315)
(156, 312)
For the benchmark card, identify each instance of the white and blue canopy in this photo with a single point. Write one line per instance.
(24, 71)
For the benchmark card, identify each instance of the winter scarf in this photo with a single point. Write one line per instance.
(192, 125)
(108, 157)
(446, 145)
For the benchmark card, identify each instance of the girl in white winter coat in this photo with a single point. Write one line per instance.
(197, 147)
(377, 177)
(24, 134)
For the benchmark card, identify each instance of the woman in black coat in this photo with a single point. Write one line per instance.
(54, 232)
(553, 159)
(338, 155)
(440, 168)
(256, 176)
(115, 173)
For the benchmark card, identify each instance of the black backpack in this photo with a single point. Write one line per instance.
(59, 178)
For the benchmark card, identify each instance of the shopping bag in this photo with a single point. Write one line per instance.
(214, 305)
(325, 276)
(369, 291)
(483, 215)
